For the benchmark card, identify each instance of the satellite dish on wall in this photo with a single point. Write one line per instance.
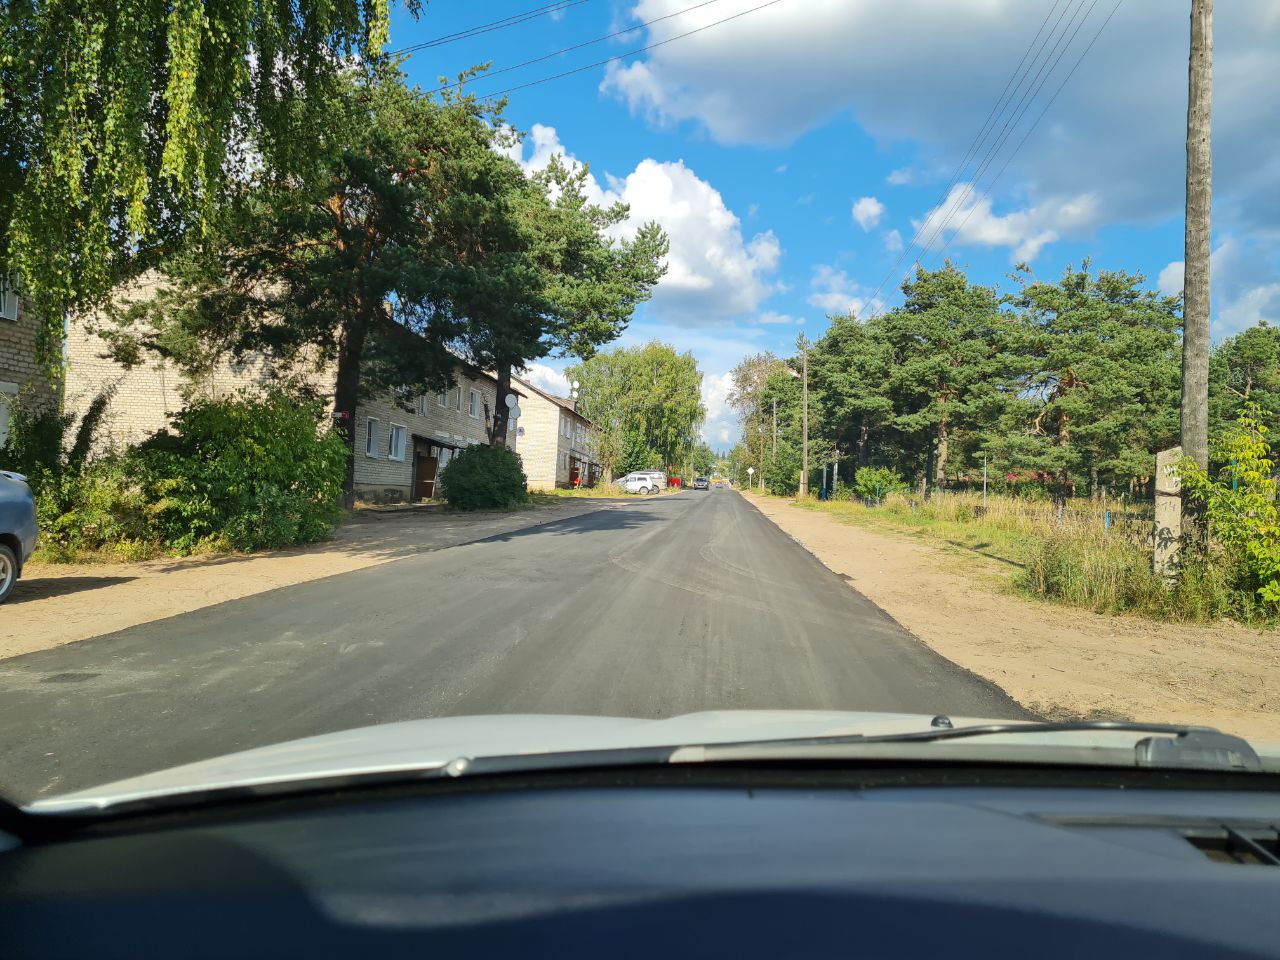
(510, 400)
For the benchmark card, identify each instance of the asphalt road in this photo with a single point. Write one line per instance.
(647, 608)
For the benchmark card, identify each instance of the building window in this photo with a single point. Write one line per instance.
(442, 397)
(473, 404)
(8, 296)
(395, 442)
(371, 437)
(457, 403)
(6, 410)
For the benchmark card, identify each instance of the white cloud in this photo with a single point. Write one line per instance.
(780, 168)
(867, 211)
(807, 199)
(1170, 279)
(770, 317)
(900, 177)
(926, 71)
(1244, 285)
(713, 271)
(893, 241)
(1251, 308)
(832, 290)
(715, 398)
(547, 378)
(967, 216)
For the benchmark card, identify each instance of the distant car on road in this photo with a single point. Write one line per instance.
(644, 481)
(17, 529)
(701, 483)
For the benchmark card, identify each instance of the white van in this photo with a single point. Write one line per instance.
(644, 481)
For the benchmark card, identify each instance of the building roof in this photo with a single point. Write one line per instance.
(563, 402)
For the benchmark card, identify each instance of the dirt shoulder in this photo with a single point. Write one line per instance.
(57, 604)
(1057, 661)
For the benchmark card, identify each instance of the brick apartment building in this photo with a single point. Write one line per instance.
(20, 371)
(557, 444)
(402, 442)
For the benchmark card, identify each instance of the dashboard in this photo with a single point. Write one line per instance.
(621, 865)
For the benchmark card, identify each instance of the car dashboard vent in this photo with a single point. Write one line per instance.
(1229, 845)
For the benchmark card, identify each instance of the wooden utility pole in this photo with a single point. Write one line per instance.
(775, 427)
(803, 345)
(1195, 276)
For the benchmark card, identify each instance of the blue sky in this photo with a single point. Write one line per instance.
(790, 152)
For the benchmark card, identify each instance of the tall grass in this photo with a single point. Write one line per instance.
(1070, 553)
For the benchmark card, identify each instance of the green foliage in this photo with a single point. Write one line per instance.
(1244, 375)
(782, 471)
(1063, 387)
(248, 472)
(1240, 503)
(645, 402)
(875, 483)
(637, 454)
(116, 117)
(99, 510)
(484, 478)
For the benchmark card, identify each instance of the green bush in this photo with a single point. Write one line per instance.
(484, 478)
(782, 471)
(876, 483)
(246, 473)
(98, 509)
(1241, 503)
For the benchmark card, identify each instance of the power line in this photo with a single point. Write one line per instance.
(577, 46)
(1023, 106)
(514, 20)
(996, 112)
(629, 53)
(1035, 123)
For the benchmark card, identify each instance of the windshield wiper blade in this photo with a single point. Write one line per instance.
(1183, 746)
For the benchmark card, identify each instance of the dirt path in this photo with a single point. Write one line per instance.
(57, 604)
(1057, 661)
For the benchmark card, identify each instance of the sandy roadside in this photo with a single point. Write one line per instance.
(57, 604)
(1057, 661)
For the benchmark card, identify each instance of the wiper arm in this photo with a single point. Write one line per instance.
(1184, 746)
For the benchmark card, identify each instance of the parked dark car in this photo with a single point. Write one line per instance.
(701, 483)
(17, 529)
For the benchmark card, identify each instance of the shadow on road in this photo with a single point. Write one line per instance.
(596, 522)
(39, 588)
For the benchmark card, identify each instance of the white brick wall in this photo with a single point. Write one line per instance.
(147, 396)
(543, 445)
(20, 373)
(379, 478)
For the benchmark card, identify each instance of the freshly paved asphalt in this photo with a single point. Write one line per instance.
(647, 608)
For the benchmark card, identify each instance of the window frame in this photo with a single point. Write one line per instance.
(371, 437)
(473, 403)
(9, 288)
(404, 441)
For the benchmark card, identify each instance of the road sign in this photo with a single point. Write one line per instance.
(751, 471)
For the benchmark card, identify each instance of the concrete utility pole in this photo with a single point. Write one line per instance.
(1195, 276)
(803, 345)
(775, 426)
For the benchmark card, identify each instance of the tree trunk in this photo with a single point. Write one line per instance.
(501, 418)
(1195, 274)
(1094, 492)
(864, 448)
(346, 394)
(1064, 442)
(940, 462)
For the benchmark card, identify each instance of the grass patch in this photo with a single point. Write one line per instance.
(1068, 554)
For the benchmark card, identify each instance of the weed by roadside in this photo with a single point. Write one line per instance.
(1073, 554)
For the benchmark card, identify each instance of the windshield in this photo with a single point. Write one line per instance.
(756, 369)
